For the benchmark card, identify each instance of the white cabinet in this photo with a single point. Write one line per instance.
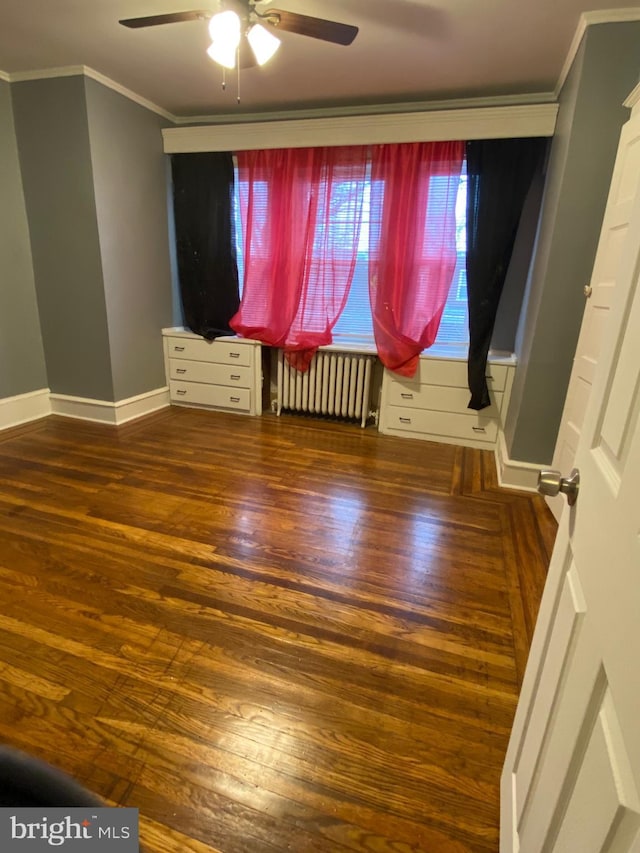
(432, 405)
(221, 374)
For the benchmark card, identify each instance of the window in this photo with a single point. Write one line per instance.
(355, 321)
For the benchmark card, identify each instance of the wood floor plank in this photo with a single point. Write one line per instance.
(267, 634)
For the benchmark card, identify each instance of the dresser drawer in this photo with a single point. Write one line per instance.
(440, 398)
(219, 351)
(238, 399)
(232, 375)
(433, 371)
(477, 427)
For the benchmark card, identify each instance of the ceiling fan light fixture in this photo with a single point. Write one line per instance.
(263, 43)
(223, 53)
(225, 27)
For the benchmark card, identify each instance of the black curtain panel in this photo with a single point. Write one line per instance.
(500, 173)
(207, 269)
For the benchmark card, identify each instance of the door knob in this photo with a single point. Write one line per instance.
(551, 483)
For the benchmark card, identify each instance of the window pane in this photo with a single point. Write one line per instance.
(355, 320)
(356, 317)
(454, 326)
(237, 229)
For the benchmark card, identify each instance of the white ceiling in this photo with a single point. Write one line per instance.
(406, 51)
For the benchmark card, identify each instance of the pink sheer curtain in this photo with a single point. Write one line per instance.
(301, 213)
(412, 245)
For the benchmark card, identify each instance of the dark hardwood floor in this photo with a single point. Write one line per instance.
(267, 634)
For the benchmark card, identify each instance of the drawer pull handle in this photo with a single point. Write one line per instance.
(489, 377)
(235, 399)
(479, 429)
(234, 355)
(181, 369)
(405, 420)
(235, 376)
(407, 396)
(181, 391)
(179, 349)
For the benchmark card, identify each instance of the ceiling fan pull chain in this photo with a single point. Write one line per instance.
(224, 78)
(238, 67)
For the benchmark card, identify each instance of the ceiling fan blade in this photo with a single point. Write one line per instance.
(171, 18)
(316, 28)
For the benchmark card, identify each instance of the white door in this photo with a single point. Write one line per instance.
(599, 293)
(571, 780)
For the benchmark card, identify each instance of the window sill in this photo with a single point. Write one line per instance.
(454, 352)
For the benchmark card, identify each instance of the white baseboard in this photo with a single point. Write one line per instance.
(143, 404)
(24, 408)
(105, 412)
(513, 474)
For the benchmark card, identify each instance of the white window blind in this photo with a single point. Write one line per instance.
(355, 321)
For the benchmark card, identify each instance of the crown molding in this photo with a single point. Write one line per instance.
(369, 109)
(587, 19)
(85, 71)
(633, 99)
(46, 73)
(533, 99)
(437, 125)
(132, 96)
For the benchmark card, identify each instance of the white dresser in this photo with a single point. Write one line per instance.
(433, 404)
(222, 374)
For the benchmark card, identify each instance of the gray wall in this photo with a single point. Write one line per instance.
(95, 184)
(53, 141)
(130, 186)
(605, 71)
(22, 365)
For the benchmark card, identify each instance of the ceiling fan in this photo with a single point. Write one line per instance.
(240, 21)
